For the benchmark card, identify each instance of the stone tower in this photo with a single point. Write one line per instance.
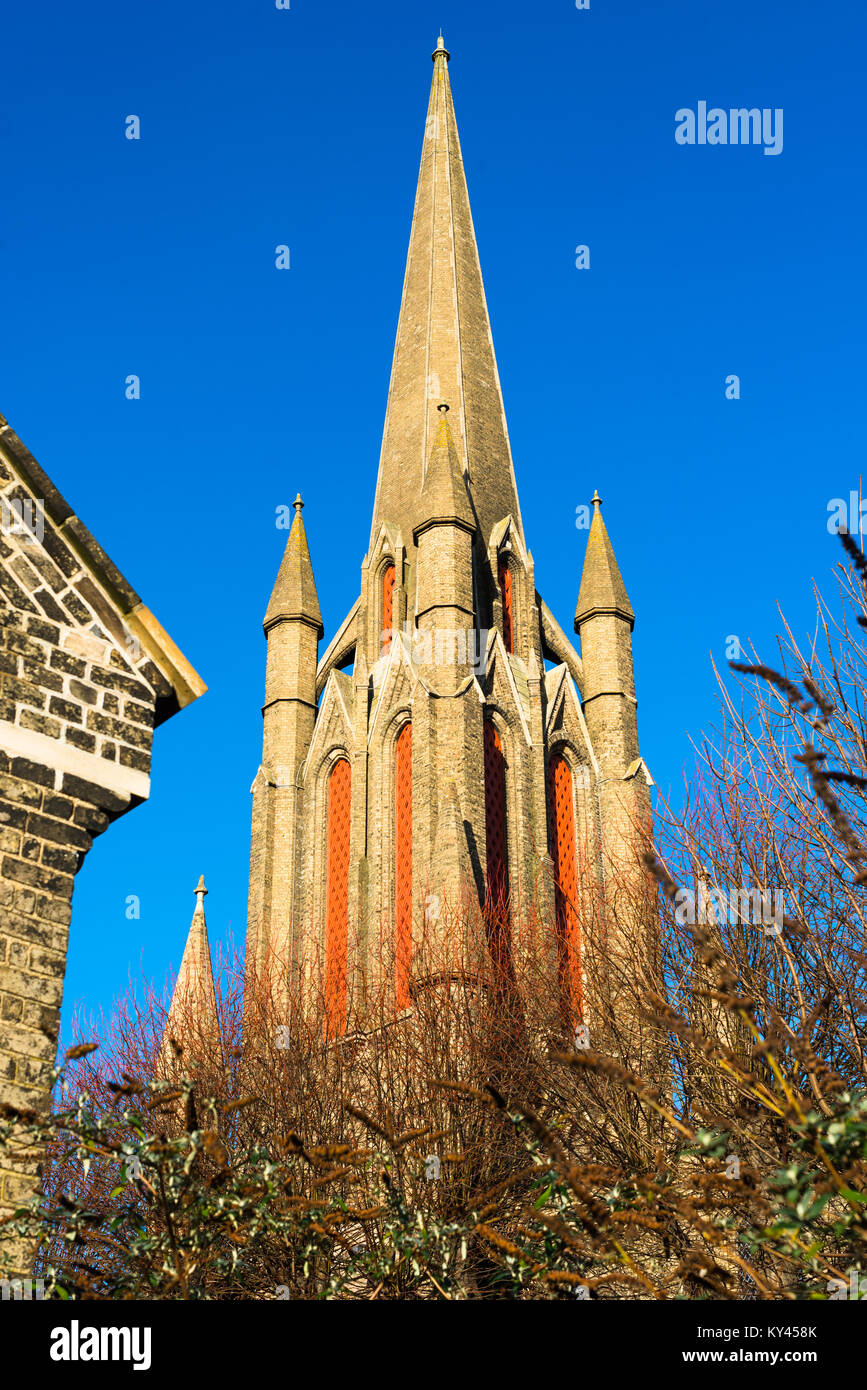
(438, 754)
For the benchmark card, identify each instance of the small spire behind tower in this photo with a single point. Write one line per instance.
(444, 591)
(193, 1010)
(444, 495)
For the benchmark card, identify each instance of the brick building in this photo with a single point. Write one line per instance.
(86, 673)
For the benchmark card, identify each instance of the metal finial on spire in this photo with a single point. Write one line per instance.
(596, 500)
(442, 407)
(200, 886)
(298, 504)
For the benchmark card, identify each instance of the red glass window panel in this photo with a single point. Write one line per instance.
(505, 576)
(497, 896)
(403, 862)
(388, 577)
(337, 905)
(562, 832)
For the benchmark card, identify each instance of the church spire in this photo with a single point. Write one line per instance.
(443, 347)
(444, 495)
(294, 594)
(604, 621)
(293, 627)
(194, 1001)
(602, 588)
(444, 536)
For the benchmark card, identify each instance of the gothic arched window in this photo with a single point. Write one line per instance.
(337, 900)
(561, 816)
(496, 843)
(505, 581)
(403, 863)
(388, 580)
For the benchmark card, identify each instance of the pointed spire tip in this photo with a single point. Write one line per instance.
(200, 886)
(443, 345)
(294, 594)
(444, 490)
(602, 590)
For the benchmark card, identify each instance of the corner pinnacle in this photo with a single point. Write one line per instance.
(444, 496)
(602, 589)
(294, 595)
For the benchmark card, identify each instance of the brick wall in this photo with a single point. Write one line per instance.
(80, 695)
(48, 821)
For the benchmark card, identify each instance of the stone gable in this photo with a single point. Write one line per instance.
(86, 673)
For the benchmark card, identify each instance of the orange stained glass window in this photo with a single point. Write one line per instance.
(562, 833)
(337, 903)
(403, 862)
(497, 894)
(388, 576)
(505, 576)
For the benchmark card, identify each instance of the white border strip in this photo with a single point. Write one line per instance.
(64, 757)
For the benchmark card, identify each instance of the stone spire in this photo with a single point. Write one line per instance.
(427, 805)
(604, 621)
(444, 496)
(194, 1001)
(444, 601)
(444, 347)
(293, 627)
(602, 588)
(294, 594)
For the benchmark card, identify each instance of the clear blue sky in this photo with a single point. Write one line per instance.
(304, 127)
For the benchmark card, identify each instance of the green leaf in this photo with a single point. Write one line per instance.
(810, 1212)
(851, 1196)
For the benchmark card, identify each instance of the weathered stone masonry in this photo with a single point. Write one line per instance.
(48, 822)
(86, 673)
